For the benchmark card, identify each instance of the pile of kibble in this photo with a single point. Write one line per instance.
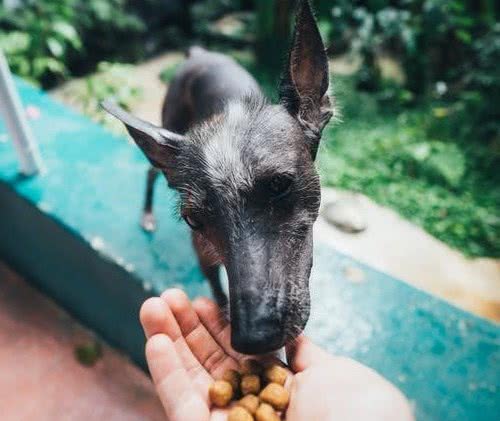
(257, 390)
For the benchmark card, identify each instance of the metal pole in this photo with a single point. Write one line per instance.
(15, 120)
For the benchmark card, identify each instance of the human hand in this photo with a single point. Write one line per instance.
(188, 347)
(326, 387)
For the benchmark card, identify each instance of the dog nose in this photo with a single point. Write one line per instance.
(258, 337)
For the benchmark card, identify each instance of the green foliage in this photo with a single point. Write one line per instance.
(45, 41)
(112, 80)
(103, 26)
(477, 101)
(448, 49)
(41, 36)
(395, 159)
(431, 37)
(443, 163)
(203, 12)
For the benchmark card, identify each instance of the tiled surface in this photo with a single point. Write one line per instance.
(40, 378)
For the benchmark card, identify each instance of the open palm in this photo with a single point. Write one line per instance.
(188, 346)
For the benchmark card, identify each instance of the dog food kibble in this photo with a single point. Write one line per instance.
(275, 374)
(239, 414)
(275, 395)
(261, 389)
(250, 403)
(250, 367)
(221, 393)
(250, 383)
(265, 412)
(234, 378)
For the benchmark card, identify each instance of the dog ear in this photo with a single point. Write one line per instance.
(159, 145)
(304, 86)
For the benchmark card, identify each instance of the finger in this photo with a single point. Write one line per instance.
(201, 343)
(173, 385)
(216, 325)
(302, 353)
(156, 317)
(152, 316)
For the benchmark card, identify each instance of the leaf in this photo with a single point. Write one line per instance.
(43, 65)
(420, 151)
(56, 66)
(437, 161)
(447, 162)
(65, 30)
(55, 47)
(463, 36)
(440, 112)
(68, 32)
(15, 42)
(102, 9)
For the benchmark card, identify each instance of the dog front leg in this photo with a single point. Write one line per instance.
(148, 221)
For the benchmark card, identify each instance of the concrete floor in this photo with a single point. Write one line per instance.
(398, 247)
(40, 377)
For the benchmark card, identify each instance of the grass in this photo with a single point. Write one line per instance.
(406, 159)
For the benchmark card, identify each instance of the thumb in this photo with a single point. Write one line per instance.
(302, 354)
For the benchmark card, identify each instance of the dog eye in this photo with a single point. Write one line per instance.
(280, 185)
(194, 223)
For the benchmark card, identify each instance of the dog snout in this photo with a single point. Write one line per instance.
(258, 336)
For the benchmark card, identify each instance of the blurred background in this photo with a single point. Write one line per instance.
(417, 84)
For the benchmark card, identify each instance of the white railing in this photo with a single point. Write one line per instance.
(13, 114)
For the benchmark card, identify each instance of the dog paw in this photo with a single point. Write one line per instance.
(148, 222)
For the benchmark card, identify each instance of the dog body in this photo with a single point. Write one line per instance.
(201, 88)
(248, 186)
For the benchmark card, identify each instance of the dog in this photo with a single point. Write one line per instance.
(244, 169)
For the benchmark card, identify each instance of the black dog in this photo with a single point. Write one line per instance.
(245, 172)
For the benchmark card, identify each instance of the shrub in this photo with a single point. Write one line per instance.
(39, 38)
(112, 80)
(46, 41)
(400, 160)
